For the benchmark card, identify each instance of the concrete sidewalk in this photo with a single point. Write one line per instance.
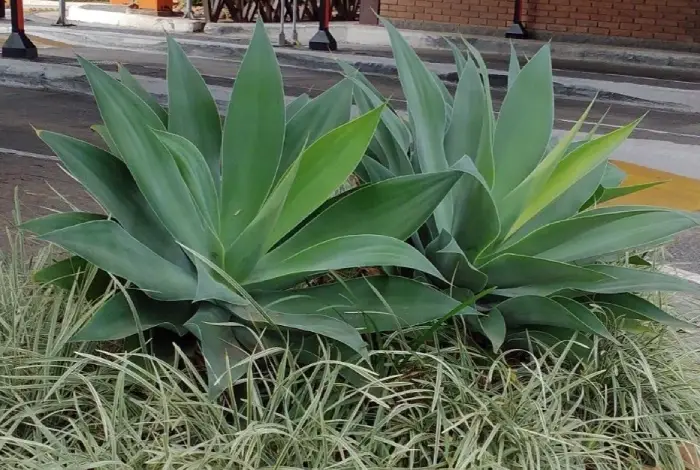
(373, 41)
(648, 93)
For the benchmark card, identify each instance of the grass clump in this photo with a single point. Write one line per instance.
(447, 405)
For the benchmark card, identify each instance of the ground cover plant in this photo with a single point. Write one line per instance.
(79, 405)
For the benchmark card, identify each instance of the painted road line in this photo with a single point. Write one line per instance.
(687, 275)
(638, 128)
(22, 153)
(40, 42)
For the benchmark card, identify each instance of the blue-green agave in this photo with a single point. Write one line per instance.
(525, 219)
(210, 228)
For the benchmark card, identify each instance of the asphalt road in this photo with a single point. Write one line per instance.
(671, 126)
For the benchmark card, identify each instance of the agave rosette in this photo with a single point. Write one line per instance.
(525, 218)
(209, 227)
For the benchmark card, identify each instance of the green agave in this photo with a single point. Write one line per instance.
(210, 227)
(523, 220)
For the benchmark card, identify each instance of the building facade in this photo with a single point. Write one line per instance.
(658, 20)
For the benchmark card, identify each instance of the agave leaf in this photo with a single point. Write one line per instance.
(211, 288)
(454, 265)
(322, 114)
(110, 182)
(585, 315)
(426, 106)
(396, 125)
(485, 158)
(250, 246)
(130, 122)
(376, 172)
(313, 323)
(192, 109)
(476, 221)
(102, 131)
(67, 272)
(519, 144)
(517, 199)
(575, 166)
(316, 178)
(532, 310)
(196, 174)
(464, 133)
(593, 235)
(460, 61)
(614, 193)
(446, 95)
(390, 143)
(526, 272)
(513, 66)
(252, 312)
(132, 84)
(395, 208)
(636, 280)
(49, 223)
(628, 305)
(492, 325)
(253, 136)
(225, 357)
(340, 253)
(565, 206)
(379, 303)
(111, 248)
(425, 102)
(295, 105)
(613, 176)
(62, 273)
(115, 319)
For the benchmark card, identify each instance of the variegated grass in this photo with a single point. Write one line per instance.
(450, 405)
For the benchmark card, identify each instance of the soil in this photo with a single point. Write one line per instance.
(37, 187)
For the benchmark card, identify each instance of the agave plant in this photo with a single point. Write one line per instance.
(208, 228)
(525, 221)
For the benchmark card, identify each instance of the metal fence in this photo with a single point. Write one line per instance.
(269, 10)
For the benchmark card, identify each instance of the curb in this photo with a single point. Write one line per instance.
(68, 78)
(96, 13)
(571, 56)
(656, 97)
(350, 33)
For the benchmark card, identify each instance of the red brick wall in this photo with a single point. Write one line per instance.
(667, 20)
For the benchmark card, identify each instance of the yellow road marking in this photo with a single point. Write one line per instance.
(678, 192)
(40, 42)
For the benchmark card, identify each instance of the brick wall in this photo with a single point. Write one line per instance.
(666, 20)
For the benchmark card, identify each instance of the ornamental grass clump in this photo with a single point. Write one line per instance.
(67, 404)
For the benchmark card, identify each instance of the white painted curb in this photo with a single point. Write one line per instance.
(88, 14)
(36, 75)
